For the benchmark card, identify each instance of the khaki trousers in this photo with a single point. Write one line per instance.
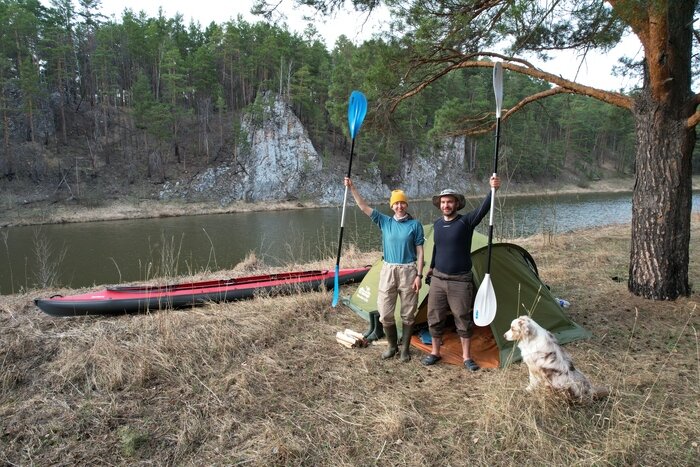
(396, 280)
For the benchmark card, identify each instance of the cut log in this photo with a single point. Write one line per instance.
(354, 334)
(345, 338)
(344, 343)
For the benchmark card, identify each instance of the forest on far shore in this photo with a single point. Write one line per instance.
(153, 99)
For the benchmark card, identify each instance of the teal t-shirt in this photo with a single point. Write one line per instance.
(399, 239)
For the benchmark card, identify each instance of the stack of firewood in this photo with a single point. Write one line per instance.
(350, 339)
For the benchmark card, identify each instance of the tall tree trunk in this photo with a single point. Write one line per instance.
(62, 105)
(232, 90)
(661, 202)
(31, 122)
(9, 162)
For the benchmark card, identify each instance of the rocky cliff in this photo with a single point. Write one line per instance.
(277, 161)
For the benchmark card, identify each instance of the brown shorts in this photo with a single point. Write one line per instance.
(450, 293)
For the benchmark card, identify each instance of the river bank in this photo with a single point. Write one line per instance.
(22, 213)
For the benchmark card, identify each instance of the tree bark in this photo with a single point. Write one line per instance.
(662, 197)
(661, 204)
(9, 166)
(62, 106)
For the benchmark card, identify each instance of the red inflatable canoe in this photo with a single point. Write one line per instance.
(134, 299)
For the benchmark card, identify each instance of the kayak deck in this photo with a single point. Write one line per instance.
(135, 299)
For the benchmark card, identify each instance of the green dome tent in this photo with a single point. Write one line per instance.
(518, 289)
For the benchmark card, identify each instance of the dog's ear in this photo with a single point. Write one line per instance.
(524, 326)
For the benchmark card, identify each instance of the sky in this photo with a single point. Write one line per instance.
(353, 25)
(593, 71)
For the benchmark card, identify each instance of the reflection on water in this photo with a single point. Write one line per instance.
(123, 251)
(521, 217)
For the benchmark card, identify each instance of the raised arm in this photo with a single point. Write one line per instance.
(361, 203)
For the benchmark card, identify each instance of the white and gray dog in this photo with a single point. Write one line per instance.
(548, 363)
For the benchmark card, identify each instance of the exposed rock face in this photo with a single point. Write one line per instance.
(42, 116)
(425, 177)
(279, 157)
(274, 163)
(278, 162)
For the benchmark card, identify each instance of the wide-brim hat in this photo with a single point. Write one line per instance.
(461, 202)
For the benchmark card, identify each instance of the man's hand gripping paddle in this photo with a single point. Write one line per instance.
(357, 109)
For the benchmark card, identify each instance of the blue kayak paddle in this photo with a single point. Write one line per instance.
(357, 109)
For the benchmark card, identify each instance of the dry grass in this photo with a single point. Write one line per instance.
(263, 382)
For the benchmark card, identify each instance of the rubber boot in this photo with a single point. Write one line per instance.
(376, 331)
(391, 338)
(406, 343)
(378, 327)
(372, 326)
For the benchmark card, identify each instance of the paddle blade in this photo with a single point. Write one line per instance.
(485, 303)
(498, 86)
(336, 287)
(357, 109)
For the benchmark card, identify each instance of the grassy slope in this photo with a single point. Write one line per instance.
(263, 382)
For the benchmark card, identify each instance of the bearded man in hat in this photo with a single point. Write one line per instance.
(402, 272)
(450, 272)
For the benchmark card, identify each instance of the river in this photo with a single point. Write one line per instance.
(111, 252)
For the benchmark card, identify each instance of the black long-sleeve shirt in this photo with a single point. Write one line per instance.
(453, 240)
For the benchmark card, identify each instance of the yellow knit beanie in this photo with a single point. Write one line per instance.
(396, 196)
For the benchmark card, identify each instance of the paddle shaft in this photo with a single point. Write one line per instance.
(493, 194)
(345, 198)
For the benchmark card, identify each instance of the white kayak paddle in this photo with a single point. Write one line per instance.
(485, 303)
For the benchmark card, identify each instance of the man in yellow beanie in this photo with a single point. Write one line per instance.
(402, 272)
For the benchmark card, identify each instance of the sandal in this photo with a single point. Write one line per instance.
(430, 359)
(471, 365)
